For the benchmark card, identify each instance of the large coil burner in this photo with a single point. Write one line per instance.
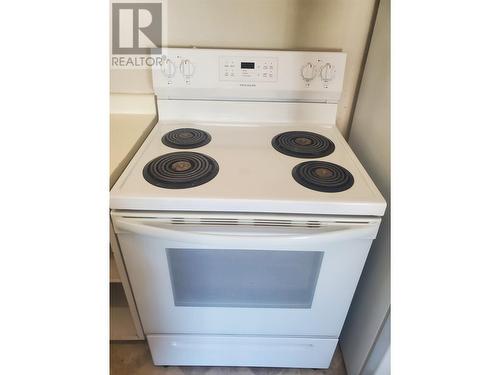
(180, 170)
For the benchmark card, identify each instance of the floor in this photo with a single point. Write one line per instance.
(132, 357)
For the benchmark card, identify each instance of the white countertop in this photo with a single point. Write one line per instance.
(131, 119)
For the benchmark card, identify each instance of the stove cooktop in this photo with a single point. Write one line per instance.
(182, 170)
(246, 168)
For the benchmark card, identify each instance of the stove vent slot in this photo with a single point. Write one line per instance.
(204, 221)
(287, 223)
(247, 222)
(314, 224)
(209, 221)
(178, 220)
(272, 223)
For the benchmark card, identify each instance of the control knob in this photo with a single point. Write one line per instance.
(167, 67)
(308, 72)
(187, 68)
(327, 72)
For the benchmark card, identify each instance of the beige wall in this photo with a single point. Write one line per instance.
(370, 139)
(267, 24)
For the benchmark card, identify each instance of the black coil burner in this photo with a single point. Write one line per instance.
(180, 170)
(323, 176)
(186, 138)
(301, 144)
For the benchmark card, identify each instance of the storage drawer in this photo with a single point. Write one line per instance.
(207, 350)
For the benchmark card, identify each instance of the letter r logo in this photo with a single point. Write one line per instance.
(137, 28)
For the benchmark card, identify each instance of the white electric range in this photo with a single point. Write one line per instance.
(245, 219)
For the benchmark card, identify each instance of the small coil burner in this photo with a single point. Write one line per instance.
(180, 170)
(302, 144)
(186, 138)
(323, 176)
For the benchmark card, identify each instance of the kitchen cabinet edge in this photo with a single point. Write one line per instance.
(127, 290)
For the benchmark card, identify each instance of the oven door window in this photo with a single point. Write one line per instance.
(244, 278)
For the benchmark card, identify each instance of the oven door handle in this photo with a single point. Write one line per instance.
(356, 231)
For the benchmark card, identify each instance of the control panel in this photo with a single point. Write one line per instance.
(248, 69)
(223, 74)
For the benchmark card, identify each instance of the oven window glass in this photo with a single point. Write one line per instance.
(244, 278)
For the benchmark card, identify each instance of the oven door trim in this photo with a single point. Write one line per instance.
(254, 234)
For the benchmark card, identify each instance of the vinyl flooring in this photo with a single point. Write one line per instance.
(133, 357)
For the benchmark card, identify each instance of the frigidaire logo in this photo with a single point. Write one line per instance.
(137, 28)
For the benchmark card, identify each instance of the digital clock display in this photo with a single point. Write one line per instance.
(247, 65)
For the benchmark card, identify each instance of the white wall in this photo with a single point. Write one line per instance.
(370, 140)
(384, 366)
(267, 24)
(379, 360)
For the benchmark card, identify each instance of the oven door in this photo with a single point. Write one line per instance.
(224, 277)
